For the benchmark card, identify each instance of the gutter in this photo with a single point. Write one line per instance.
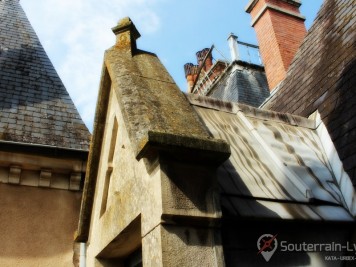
(46, 150)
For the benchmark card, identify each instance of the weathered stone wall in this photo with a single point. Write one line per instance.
(148, 163)
(37, 226)
(124, 192)
(163, 208)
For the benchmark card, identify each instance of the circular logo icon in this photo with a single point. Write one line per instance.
(267, 244)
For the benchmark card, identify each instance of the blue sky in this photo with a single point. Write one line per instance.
(75, 34)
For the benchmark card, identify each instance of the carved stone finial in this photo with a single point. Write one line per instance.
(126, 34)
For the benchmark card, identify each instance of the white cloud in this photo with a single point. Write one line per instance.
(76, 33)
(150, 21)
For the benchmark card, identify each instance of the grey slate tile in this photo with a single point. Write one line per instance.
(246, 85)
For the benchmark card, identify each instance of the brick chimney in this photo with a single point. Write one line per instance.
(280, 30)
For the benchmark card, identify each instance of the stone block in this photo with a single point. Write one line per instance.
(15, 175)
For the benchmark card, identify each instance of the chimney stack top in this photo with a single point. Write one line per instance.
(252, 3)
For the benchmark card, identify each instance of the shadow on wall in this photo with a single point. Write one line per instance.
(244, 234)
(190, 186)
(240, 234)
(37, 223)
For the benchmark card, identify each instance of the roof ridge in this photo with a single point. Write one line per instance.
(249, 111)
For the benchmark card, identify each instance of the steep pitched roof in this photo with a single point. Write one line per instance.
(35, 107)
(281, 165)
(322, 76)
(241, 82)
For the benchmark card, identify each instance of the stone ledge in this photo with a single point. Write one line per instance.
(40, 171)
(188, 220)
(16, 175)
(190, 148)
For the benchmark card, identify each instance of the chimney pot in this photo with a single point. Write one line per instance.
(234, 50)
(188, 69)
(200, 58)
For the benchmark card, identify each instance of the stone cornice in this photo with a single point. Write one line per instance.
(276, 8)
(36, 170)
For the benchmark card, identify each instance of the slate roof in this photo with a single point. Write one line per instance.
(322, 76)
(281, 165)
(35, 107)
(241, 82)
